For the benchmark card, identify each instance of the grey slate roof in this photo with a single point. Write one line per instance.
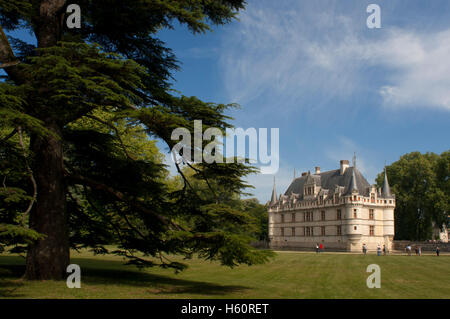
(353, 186)
(273, 199)
(386, 189)
(329, 180)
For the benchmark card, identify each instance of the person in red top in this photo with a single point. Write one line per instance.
(321, 247)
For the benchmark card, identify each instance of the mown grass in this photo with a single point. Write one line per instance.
(288, 275)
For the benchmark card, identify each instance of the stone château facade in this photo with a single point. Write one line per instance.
(338, 208)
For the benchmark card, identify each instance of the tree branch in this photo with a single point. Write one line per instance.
(9, 64)
(117, 134)
(13, 132)
(120, 196)
(108, 220)
(205, 178)
(7, 57)
(33, 181)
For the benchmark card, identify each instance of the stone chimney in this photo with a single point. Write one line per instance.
(317, 170)
(344, 166)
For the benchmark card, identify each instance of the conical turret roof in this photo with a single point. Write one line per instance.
(353, 188)
(273, 199)
(386, 189)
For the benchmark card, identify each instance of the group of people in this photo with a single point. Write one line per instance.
(364, 249)
(319, 248)
(418, 250)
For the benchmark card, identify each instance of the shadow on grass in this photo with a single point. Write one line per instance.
(10, 280)
(101, 272)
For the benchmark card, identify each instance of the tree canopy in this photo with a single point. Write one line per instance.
(422, 188)
(76, 163)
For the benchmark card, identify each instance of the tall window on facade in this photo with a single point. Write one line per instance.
(339, 230)
(322, 230)
(293, 217)
(371, 215)
(322, 215)
(338, 214)
(308, 231)
(282, 231)
(372, 197)
(282, 218)
(355, 213)
(293, 231)
(372, 231)
(312, 231)
(304, 216)
(304, 231)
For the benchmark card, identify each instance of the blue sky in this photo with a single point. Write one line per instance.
(332, 85)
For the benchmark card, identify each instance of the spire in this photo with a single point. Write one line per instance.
(273, 199)
(353, 188)
(386, 189)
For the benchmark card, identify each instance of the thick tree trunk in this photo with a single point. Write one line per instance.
(49, 257)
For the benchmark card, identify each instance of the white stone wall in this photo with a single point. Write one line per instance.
(354, 231)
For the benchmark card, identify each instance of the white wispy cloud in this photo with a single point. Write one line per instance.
(287, 53)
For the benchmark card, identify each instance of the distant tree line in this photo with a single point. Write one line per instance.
(422, 188)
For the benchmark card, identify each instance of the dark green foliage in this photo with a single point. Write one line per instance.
(261, 219)
(103, 90)
(421, 186)
(14, 195)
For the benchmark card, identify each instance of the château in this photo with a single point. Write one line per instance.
(337, 208)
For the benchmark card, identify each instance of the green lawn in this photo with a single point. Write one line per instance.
(289, 275)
